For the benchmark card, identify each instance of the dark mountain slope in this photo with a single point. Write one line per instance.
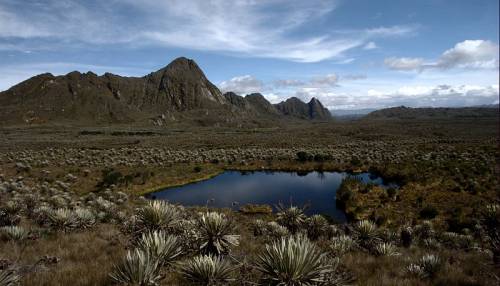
(178, 92)
(403, 112)
(295, 107)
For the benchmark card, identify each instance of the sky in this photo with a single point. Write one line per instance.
(350, 54)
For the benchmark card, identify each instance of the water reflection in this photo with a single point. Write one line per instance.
(264, 187)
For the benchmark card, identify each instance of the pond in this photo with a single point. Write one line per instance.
(317, 189)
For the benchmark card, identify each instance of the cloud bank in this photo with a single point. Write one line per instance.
(269, 29)
(474, 54)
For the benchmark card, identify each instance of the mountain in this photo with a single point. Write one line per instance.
(178, 92)
(295, 107)
(403, 112)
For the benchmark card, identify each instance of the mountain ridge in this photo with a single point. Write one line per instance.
(177, 91)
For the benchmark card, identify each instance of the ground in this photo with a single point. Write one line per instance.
(447, 170)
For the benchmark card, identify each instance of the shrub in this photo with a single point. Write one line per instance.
(406, 236)
(292, 218)
(293, 261)
(214, 233)
(276, 231)
(157, 215)
(428, 212)
(316, 226)
(165, 248)
(303, 156)
(207, 270)
(341, 245)
(425, 230)
(138, 268)
(259, 227)
(7, 219)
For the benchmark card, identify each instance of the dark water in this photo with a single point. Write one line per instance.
(314, 188)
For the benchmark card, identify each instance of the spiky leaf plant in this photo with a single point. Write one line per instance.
(430, 264)
(292, 218)
(62, 219)
(259, 227)
(366, 233)
(214, 233)
(14, 233)
(165, 248)
(386, 249)
(207, 270)
(138, 268)
(415, 270)
(341, 245)
(316, 226)
(84, 218)
(158, 215)
(8, 278)
(293, 261)
(276, 231)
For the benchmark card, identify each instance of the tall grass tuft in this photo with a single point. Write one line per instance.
(207, 270)
(293, 261)
(138, 268)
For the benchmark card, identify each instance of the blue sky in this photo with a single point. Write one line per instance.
(350, 54)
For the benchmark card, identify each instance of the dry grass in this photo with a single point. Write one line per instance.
(85, 258)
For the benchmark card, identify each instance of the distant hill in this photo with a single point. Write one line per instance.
(351, 112)
(294, 107)
(403, 112)
(178, 92)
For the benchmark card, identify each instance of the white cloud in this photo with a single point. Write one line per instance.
(413, 96)
(242, 85)
(475, 54)
(288, 82)
(370, 46)
(406, 64)
(327, 80)
(470, 53)
(398, 30)
(244, 27)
